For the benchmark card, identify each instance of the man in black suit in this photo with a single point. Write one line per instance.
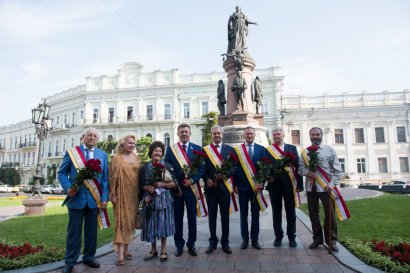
(284, 186)
(218, 188)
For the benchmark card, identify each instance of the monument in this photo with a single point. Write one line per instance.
(239, 66)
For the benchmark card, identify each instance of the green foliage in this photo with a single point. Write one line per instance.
(51, 173)
(363, 251)
(142, 148)
(211, 120)
(9, 175)
(107, 146)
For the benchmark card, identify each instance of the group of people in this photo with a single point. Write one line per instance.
(168, 185)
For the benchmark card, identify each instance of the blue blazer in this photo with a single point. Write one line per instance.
(178, 171)
(240, 178)
(210, 169)
(67, 174)
(284, 178)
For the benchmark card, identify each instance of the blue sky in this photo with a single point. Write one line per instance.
(323, 46)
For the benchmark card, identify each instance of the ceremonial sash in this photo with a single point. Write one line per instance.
(321, 181)
(277, 153)
(216, 158)
(183, 160)
(250, 172)
(92, 185)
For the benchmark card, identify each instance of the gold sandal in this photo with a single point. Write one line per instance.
(163, 257)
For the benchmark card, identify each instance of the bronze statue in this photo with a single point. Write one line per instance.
(238, 87)
(221, 97)
(237, 31)
(257, 94)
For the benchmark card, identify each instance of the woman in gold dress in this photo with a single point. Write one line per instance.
(123, 173)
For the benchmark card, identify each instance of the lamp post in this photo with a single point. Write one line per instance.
(43, 124)
(35, 205)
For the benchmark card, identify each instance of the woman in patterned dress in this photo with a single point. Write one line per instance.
(158, 208)
(123, 178)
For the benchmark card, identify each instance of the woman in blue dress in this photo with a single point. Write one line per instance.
(156, 181)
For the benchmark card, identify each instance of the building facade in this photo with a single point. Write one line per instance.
(370, 132)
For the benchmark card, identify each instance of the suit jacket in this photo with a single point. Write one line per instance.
(210, 169)
(178, 171)
(67, 173)
(240, 178)
(284, 178)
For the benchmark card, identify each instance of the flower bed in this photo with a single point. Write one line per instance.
(397, 252)
(15, 252)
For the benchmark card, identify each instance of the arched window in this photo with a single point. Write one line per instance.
(167, 139)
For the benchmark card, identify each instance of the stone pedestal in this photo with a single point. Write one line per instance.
(34, 205)
(234, 134)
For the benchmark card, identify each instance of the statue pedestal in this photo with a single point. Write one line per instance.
(34, 205)
(234, 134)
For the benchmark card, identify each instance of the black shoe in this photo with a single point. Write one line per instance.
(277, 242)
(92, 263)
(292, 243)
(210, 249)
(151, 256)
(67, 268)
(315, 244)
(227, 249)
(334, 248)
(256, 245)
(244, 244)
(192, 251)
(178, 252)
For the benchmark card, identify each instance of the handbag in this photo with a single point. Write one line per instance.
(139, 221)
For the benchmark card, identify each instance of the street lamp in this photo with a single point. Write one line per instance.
(43, 124)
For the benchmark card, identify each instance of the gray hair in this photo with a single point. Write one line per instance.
(249, 127)
(277, 129)
(217, 127)
(85, 131)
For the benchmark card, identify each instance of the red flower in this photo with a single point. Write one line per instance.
(291, 156)
(158, 165)
(200, 153)
(233, 156)
(313, 148)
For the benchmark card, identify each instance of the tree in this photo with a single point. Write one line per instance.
(142, 148)
(9, 175)
(107, 146)
(211, 120)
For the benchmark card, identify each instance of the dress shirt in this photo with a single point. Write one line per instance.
(218, 147)
(91, 152)
(328, 161)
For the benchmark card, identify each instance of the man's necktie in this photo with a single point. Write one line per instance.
(87, 154)
(217, 146)
(184, 147)
(250, 152)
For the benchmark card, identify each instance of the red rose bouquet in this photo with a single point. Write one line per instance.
(157, 175)
(227, 165)
(288, 160)
(313, 160)
(90, 171)
(196, 162)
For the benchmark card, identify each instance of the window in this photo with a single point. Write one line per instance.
(186, 110)
(401, 134)
(130, 113)
(204, 107)
(361, 165)
(167, 111)
(110, 114)
(28, 159)
(404, 164)
(339, 136)
(63, 146)
(379, 131)
(65, 120)
(72, 142)
(81, 114)
(382, 164)
(34, 157)
(56, 150)
(342, 164)
(72, 119)
(58, 120)
(295, 137)
(359, 135)
(95, 115)
(149, 112)
(166, 139)
(265, 106)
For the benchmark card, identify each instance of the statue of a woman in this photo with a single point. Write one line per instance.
(237, 31)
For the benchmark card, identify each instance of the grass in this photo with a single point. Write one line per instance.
(386, 217)
(13, 201)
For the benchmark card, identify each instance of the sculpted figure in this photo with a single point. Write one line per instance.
(257, 94)
(238, 87)
(237, 30)
(221, 97)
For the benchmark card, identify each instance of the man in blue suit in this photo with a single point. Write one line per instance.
(82, 207)
(178, 155)
(216, 190)
(253, 153)
(285, 186)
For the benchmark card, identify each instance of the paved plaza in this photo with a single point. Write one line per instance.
(269, 259)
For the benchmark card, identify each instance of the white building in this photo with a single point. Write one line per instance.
(155, 103)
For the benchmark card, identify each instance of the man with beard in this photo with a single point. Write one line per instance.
(328, 166)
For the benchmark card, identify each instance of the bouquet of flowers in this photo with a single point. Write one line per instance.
(157, 175)
(90, 171)
(196, 162)
(280, 166)
(227, 165)
(313, 160)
